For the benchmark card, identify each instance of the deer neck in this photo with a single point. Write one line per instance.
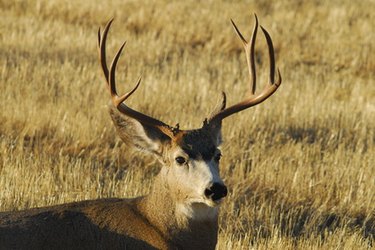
(182, 223)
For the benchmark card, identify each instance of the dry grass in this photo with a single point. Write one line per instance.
(300, 167)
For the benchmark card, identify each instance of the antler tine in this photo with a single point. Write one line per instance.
(118, 101)
(102, 39)
(249, 50)
(272, 59)
(253, 99)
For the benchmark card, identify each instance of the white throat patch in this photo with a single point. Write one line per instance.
(197, 211)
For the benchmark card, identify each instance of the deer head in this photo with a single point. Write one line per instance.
(190, 158)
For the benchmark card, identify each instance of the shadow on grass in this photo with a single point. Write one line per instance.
(297, 220)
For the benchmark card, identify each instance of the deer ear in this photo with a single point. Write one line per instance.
(138, 135)
(215, 131)
(215, 126)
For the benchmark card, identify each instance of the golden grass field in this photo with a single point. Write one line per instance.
(300, 167)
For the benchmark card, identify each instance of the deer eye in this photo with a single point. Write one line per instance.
(217, 157)
(180, 160)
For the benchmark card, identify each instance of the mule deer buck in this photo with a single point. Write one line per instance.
(181, 211)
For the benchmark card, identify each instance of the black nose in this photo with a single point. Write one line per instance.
(216, 191)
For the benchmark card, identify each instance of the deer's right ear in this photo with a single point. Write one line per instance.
(134, 133)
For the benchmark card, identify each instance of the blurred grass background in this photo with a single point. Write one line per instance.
(300, 167)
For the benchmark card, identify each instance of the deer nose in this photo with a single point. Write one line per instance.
(216, 191)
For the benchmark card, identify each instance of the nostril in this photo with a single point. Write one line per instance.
(216, 191)
(208, 192)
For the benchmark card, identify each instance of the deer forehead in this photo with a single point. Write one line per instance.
(197, 144)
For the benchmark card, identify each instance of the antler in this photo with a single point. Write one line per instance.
(118, 101)
(253, 99)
